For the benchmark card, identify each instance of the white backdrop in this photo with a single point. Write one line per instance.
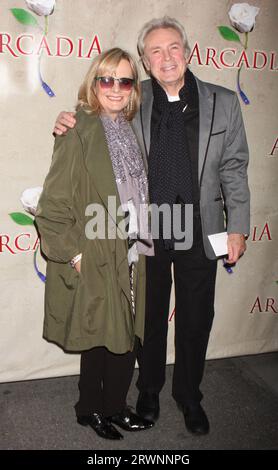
(246, 320)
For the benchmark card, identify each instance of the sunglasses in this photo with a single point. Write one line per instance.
(125, 84)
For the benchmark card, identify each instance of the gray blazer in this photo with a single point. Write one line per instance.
(223, 158)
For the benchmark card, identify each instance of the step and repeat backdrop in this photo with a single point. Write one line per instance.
(46, 47)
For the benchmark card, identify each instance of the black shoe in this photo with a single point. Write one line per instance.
(130, 421)
(100, 425)
(196, 420)
(147, 406)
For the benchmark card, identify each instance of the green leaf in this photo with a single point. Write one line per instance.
(24, 17)
(228, 33)
(21, 219)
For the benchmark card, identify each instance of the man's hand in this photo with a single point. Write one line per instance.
(236, 247)
(64, 121)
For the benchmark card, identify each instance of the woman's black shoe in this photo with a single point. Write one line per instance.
(101, 425)
(130, 421)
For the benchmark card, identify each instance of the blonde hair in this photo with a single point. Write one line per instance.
(106, 63)
(161, 23)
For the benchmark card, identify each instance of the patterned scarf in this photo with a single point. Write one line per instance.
(123, 146)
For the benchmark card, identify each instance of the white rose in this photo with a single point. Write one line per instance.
(30, 198)
(242, 16)
(41, 7)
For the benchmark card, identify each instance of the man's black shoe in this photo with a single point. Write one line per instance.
(130, 421)
(147, 406)
(101, 425)
(196, 420)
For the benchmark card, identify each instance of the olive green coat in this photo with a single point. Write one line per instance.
(92, 308)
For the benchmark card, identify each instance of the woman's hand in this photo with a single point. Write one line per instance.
(77, 266)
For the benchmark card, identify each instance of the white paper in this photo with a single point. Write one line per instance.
(218, 242)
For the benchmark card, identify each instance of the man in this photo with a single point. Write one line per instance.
(193, 137)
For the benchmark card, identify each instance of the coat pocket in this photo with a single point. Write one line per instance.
(218, 132)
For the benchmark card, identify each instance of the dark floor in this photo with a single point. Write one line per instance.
(241, 400)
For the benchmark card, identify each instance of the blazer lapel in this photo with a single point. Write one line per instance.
(206, 118)
(146, 114)
(142, 121)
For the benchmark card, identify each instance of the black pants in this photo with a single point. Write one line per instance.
(194, 276)
(104, 381)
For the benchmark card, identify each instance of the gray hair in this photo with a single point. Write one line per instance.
(157, 23)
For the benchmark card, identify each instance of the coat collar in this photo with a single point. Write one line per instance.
(96, 156)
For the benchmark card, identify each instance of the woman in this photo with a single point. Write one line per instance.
(94, 297)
